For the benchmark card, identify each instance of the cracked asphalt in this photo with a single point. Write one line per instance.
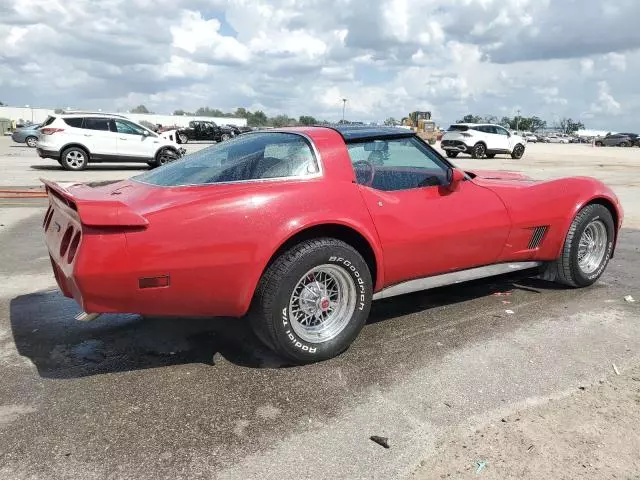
(125, 397)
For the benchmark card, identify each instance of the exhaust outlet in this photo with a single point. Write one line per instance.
(87, 317)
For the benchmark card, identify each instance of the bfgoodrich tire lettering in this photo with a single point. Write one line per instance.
(271, 313)
(568, 267)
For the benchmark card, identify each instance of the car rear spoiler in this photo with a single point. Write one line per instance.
(95, 212)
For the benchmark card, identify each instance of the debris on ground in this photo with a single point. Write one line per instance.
(615, 369)
(629, 299)
(502, 294)
(506, 302)
(481, 466)
(382, 441)
(510, 312)
(447, 404)
(531, 447)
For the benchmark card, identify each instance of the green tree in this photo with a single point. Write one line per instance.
(241, 112)
(257, 119)
(58, 111)
(140, 109)
(569, 126)
(392, 122)
(280, 121)
(1, 104)
(490, 119)
(307, 120)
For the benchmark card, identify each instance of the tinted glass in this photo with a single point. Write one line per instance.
(48, 121)
(96, 124)
(501, 131)
(249, 157)
(122, 126)
(397, 164)
(458, 128)
(74, 122)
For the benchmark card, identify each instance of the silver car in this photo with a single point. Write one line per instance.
(28, 135)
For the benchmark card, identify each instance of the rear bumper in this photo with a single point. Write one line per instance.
(454, 145)
(45, 153)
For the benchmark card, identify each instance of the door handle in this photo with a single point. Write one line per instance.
(88, 135)
(122, 138)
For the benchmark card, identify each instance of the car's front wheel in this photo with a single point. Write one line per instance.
(74, 158)
(312, 301)
(225, 137)
(451, 153)
(164, 156)
(518, 152)
(587, 247)
(31, 141)
(183, 138)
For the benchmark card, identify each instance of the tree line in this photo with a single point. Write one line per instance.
(527, 124)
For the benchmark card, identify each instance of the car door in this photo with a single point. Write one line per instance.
(134, 142)
(424, 228)
(99, 139)
(500, 138)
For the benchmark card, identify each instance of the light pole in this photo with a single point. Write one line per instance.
(344, 105)
(518, 121)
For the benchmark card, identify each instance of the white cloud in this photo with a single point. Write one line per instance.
(605, 103)
(618, 61)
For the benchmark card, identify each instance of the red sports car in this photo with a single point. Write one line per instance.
(301, 229)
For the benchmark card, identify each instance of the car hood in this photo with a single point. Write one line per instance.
(499, 175)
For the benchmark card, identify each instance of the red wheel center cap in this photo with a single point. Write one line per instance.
(324, 304)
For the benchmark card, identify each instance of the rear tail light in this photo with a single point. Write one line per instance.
(66, 239)
(46, 215)
(73, 248)
(47, 219)
(50, 131)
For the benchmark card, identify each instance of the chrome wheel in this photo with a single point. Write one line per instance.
(592, 246)
(322, 303)
(31, 142)
(75, 159)
(183, 138)
(479, 151)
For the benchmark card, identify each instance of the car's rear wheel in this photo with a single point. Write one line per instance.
(31, 141)
(74, 158)
(225, 137)
(598, 144)
(183, 138)
(624, 144)
(451, 154)
(587, 247)
(312, 301)
(518, 152)
(479, 150)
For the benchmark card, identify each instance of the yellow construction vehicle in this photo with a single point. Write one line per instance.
(421, 123)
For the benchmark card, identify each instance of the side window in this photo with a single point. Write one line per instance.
(96, 124)
(122, 126)
(396, 164)
(501, 131)
(74, 122)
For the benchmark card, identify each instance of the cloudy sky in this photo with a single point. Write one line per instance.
(551, 58)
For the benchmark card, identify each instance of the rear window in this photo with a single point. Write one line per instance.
(96, 124)
(248, 157)
(74, 122)
(48, 121)
(458, 128)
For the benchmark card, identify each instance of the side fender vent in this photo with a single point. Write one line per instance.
(537, 236)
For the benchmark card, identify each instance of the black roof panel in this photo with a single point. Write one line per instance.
(359, 132)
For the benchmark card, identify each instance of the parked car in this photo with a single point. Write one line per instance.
(238, 130)
(614, 140)
(481, 140)
(303, 228)
(556, 139)
(27, 134)
(75, 140)
(531, 138)
(200, 130)
(635, 139)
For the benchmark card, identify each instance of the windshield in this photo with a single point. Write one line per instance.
(256, 156)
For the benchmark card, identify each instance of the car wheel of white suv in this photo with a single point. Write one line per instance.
(517, 152)
(479, 150)
(74, 158)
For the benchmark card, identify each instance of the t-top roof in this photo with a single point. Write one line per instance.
(357, 132)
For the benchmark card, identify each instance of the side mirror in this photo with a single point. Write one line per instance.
(454, 177)
(145, 133)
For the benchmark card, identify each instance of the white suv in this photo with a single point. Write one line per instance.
(76, 139)
(481, 140)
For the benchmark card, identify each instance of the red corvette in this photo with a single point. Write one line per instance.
(300, 229)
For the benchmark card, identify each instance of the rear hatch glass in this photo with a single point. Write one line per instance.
(458, 128)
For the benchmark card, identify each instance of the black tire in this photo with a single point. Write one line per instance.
(74, 158)
(451, 153)
(598, 144)
(182, 138)
(567, 268)
(518, 151)
(224, 137)
(624, 144)
(31, 141)
(270, 314)
(164, 156)
(490, 155)
(479, 150)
